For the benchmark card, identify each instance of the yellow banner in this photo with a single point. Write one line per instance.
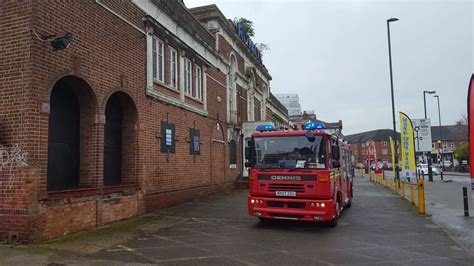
(392, 148)
(408, 166)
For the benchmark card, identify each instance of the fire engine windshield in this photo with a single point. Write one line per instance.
(289, 152)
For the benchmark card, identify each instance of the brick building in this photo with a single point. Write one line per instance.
(142, 110)
(451, 137)
(382, 145)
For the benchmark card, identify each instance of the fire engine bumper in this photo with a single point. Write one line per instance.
(292, 209)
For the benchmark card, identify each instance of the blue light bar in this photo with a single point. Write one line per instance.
(263, 128)
(313, 126)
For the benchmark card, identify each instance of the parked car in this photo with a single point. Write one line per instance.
(388, 165)
(380, 166)
(422, 168)
(447, 163)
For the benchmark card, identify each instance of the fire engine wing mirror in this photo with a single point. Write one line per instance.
(310, 136)
(336, 164)
(335, 152)
(247, 153)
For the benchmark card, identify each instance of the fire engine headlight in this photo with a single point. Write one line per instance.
(312, 204)
(323, 205)
(252, 201)
(317, 204)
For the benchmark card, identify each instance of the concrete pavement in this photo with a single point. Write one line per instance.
(444, 203)
(380, 228)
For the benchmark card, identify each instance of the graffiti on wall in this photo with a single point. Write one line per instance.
(10, 160)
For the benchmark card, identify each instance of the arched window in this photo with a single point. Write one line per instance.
(120, 147)
(71, 118)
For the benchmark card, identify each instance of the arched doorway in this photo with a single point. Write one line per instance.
(120, 147)
(72, 108)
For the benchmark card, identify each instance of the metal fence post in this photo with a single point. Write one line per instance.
(421, 197)
(466, 202)
(403, 189)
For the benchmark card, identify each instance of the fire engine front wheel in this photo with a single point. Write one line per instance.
(333, 222)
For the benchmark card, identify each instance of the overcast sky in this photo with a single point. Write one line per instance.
(334, 55)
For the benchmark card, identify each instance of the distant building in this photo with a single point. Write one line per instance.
(291, 102)
(297, 121)
(452, 136)
(382, 145)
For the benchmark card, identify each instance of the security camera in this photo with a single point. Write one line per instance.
(61, 42)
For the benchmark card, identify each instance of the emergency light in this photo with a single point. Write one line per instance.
(263, 128)
(313, 126)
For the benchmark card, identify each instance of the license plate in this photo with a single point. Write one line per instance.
(286, 193)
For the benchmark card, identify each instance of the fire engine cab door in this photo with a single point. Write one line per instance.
(343, 187)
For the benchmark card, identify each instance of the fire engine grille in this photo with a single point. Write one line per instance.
(291, 216)
(291, 205)
(286, 187)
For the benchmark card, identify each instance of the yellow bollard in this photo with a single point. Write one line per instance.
(386, 182)
(403, 188)
(391, 184)
(412, 193)
(397, 187)
(421, 197)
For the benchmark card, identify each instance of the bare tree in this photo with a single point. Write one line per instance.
(463, 120)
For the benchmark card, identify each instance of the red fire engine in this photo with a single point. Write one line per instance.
(298, 175)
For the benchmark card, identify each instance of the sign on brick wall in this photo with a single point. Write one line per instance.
(168, 134)
(194, 141)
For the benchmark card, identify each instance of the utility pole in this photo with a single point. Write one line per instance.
(394, 136)
(440, 139)
(430, 171)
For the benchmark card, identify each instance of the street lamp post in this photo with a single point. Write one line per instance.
(430, 171)
(394, 136)
(424, 99)
(440, 138)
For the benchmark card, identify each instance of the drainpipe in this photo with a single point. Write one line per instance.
(149, 45)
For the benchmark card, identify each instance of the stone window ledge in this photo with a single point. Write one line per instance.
(83, 192)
